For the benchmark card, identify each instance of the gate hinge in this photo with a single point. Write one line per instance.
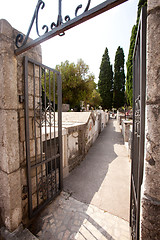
(21, 98)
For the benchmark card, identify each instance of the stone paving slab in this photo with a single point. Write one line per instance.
(69, 219)
(18, 234)
(103, 178)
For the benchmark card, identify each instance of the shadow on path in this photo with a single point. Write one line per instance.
(84, 181)
(68, 219)
(95, 195)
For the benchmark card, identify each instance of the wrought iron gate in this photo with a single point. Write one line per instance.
(139, 94)
(43, 129)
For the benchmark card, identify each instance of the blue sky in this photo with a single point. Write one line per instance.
(87, 41)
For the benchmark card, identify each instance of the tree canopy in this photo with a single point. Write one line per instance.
(129, 78)
(119, 79)
(77, 84)
(105, 83)
(95, 100)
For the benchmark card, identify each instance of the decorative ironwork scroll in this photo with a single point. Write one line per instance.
(137, 116)
(20, 41)
(60, 26)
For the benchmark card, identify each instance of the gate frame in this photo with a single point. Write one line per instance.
(27, 60)
(140, 70)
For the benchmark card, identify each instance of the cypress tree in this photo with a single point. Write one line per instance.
(105, 83)
(129, 78)
(119, 79)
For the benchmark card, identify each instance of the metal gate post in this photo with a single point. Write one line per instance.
(60, 128)
(26, 102)
(138, 137)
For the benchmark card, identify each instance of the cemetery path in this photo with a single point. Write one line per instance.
(103, 178)
(95, 201)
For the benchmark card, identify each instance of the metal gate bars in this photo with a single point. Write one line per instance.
(43, 129)
(139, 94)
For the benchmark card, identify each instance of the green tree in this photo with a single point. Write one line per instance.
(129, 78)
(77, 82)
(49, 86)
(95, 100)
(105, 83)
(119, 79)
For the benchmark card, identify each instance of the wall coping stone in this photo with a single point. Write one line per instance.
(6, 28)
(153, 5)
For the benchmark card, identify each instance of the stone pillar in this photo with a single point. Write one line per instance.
(10, 185)
(12, 129)
(36, 54)
(150, 221)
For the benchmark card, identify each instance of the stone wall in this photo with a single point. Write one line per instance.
(79, 132)
(126, 129)
(10, 201)
(76, 146)
(12, 130)
(120, 117)
(150, 222)
(65, 107)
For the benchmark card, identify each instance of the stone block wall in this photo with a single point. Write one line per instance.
(126, 129)
(65, 107)
(76, 143)
(120, 117)
(10, 201)
(13, 177)
(150, 221)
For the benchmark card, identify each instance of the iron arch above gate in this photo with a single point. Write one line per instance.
(59, 27)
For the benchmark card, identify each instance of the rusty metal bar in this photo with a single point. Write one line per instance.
(46, 161)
